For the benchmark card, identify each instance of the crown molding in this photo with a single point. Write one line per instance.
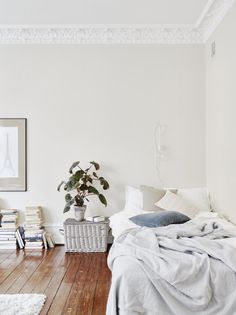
(214, 16)
(98, 35)
(210, 18)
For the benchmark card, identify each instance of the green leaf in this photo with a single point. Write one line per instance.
(93, 190)
(68, 205)
(105, 185)
(68, 197)
(73, 181)
(69, 186)
(102, 199)
(88, 179)
(59, 186)
(66, 209)
(77, 176)
(79, 201)
(73, 166)
(83, 187)
(96, 165)
(95, 175)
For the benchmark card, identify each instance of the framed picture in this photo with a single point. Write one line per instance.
(13, 154)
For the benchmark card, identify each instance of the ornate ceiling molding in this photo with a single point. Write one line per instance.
(98, 35)
(124, 34)
(214, 16)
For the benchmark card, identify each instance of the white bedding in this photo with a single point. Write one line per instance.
(174, 270)
(120, 222)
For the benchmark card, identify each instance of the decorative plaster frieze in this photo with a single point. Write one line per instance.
(126, 34)
(98, 35)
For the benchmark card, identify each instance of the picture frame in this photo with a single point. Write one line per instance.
(13, 154)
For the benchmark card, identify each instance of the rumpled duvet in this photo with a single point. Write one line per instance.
(174, 270)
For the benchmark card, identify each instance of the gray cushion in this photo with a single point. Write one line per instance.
(161, 218)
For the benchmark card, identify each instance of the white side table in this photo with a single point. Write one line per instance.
(86, 236)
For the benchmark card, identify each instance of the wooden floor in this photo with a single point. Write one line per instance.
(72, 283)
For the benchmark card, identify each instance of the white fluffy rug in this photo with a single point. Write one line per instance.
(21, 304)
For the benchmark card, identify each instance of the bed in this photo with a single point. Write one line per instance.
(180, 269)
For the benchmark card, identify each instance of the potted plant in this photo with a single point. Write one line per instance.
(80, 186)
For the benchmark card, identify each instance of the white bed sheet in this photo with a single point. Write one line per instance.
(120, 223)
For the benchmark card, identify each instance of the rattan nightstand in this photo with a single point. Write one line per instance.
(86, 236)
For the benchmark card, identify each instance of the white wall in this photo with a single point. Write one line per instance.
(102, 103)
(221, 117)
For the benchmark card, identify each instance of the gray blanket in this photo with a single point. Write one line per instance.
(174, 270)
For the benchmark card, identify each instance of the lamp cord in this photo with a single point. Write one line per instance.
(158, 153)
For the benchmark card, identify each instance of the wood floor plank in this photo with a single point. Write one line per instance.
(78, 285)
(8, 281)
(4, 254)
(9, 264)
(10, 257)
(55, 283)
(75, 284)
(34, 280)
(102, 288)
(86, 299)
(65, 287)
(47, 272)
(25, 272)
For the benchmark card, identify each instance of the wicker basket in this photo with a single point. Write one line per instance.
(85, 236)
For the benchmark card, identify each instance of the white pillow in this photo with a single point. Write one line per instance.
(133, 200)
(198, 197)
(173, 202)
(151, 195)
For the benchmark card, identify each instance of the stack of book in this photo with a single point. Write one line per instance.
(8, 229)
(96, 218)
(49, 241)
(34, 232)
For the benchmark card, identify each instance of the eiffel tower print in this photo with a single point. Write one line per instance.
(7, 169)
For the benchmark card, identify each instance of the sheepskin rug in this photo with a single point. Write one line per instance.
(21, 304)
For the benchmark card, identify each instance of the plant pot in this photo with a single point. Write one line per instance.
(79, 213)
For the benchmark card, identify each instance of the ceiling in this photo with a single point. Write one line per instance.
(110, 21)
(170, 12)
